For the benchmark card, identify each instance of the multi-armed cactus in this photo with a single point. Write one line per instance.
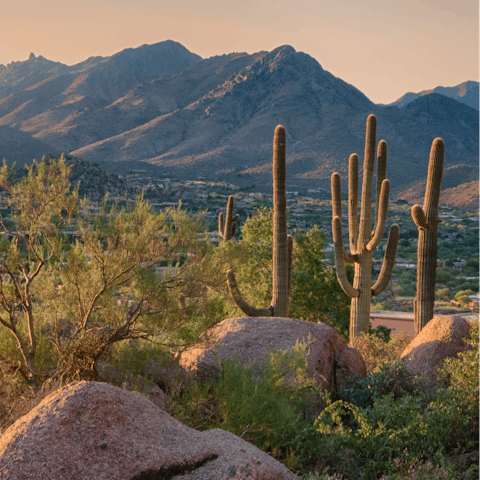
(427, 221)
(226, 228)
(362, 240)
(282, 243)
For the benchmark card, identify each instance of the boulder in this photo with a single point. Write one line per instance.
(330, 361)
(441, 338)
(95, 431)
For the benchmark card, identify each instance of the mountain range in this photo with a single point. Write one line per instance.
(466, 92)
(214, 118)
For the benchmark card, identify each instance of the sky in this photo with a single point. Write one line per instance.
(385, 48)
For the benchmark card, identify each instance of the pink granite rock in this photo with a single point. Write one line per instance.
(441, 338)
(330, 361)
(95, 431)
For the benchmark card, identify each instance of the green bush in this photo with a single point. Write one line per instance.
(374, 434)
(263, 400)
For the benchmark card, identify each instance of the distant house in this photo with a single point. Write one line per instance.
(459, 266)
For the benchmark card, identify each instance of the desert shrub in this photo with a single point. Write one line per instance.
(133, 355)
(391, 378)
(261, 402)
(403, 433)
(17, 398)
(376, 351)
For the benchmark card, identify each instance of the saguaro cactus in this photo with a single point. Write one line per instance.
(427, 221)
(282, 243)
(226, 228)
(362, 240)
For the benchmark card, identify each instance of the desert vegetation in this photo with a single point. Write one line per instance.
(102, 293)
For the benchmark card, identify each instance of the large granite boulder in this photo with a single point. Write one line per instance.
(247, 339)
(95, 431)
(441, 338)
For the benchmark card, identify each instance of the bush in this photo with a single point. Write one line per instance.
(262, 402)
(376, 352)
(401, 434)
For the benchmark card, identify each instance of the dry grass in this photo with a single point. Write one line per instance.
(17, 398)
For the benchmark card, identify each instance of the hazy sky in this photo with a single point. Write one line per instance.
(385, 48)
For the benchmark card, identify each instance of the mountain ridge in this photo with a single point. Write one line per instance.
(465, 92)
(215, 117)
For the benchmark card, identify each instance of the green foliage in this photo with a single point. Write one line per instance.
(444, 275)
(261, 402)
(399, 430)
(41, 204)
(391, 378)
(133, 355)
(443, 294)
(463, 293)
(316, 295)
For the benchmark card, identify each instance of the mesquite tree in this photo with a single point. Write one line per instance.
(427, 221)
(41, 205)
(363, 241)
(227, 226)
(282, 243)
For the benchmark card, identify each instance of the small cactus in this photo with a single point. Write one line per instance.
(427, 221)
(282, 243)
(226, 228)
(362, 240)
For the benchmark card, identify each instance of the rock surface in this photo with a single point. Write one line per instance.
(95, 431)
(440, 339)
(330, 361)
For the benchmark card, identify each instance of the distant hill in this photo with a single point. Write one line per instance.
(21, 148)
(466, 92)
(214, 118)
(460, 188)
(94, 182)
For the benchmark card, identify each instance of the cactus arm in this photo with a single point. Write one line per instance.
(337, 210)
(368, 167)
(353, 201)
(336, 195)
(388, 261)
(434, 179)
(381, 173)
(227, 225)
(290, 258)
(381, 218)
(339, 262)
(419, 217)
(241, 303)
(234, 225)
(221, 225)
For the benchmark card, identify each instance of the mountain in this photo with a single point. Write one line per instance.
(18, 76)
(459, 188)
(466, 92)
(215, 117)
(21, 148)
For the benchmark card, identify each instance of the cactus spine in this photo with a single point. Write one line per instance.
(362, 240)
(226, 228)
(282, 243)
(427, 221)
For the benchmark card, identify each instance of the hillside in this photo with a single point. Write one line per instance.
(214, 118)
(466, 92)
(460, 188)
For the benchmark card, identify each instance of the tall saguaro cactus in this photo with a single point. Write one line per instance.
(227, 226)
(282, 243)
(362, 240)
(427, 221)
